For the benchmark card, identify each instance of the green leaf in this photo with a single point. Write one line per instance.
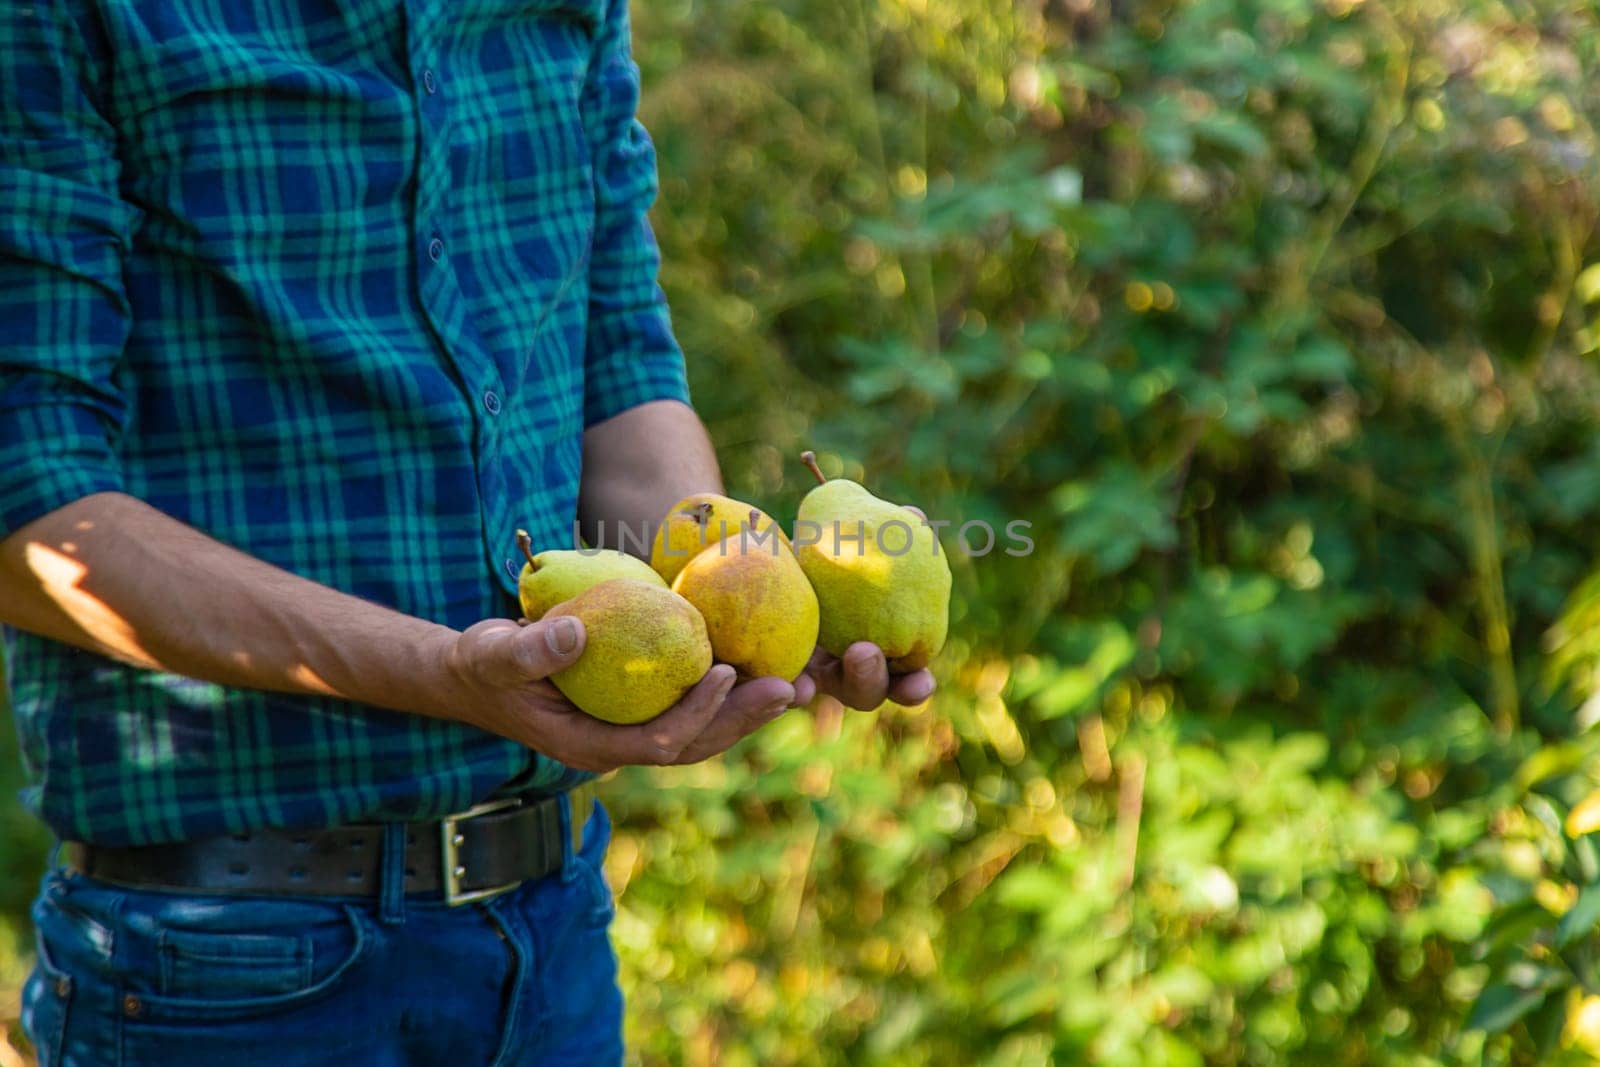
(1075, 686)
(1498, 1007)
(1113, 517)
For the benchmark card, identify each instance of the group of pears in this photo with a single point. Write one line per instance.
(725, 583)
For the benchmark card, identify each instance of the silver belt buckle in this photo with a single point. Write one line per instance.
(450, 841)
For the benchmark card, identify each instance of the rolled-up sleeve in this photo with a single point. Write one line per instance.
(631, 355)
(63, 234)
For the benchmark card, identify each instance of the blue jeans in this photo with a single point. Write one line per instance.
(129, 978)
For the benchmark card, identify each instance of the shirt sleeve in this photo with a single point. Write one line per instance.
(631, 355)
(63, 233)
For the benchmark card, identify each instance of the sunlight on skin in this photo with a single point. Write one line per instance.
(300, 674)
(61, 577)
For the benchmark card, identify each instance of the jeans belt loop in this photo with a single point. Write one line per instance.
(580, 801)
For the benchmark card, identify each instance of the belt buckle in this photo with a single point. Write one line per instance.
(450, 841)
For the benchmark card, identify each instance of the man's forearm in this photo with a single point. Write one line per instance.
(113, 575)
(638, 464)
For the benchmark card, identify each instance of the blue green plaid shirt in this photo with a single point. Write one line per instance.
(340, 283)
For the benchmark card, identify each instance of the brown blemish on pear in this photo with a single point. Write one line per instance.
(697, 522)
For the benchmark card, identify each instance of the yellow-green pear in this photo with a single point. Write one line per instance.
(558, 574)
(645, 648)
(760, 610)
(878, 571)
(697, 522)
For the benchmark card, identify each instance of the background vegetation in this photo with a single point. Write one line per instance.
(1279, 321)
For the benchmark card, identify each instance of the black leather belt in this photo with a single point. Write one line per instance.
(479, 853)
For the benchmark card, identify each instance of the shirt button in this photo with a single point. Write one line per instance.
(512, 569)
(429, 82)
(436, 250)
(491, 402)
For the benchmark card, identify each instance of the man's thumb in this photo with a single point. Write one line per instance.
(546, 647)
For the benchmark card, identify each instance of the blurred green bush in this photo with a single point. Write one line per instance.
(1278, 321)
(23, 846)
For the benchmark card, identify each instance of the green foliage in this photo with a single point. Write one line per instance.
(1277, 320)
(23, 845)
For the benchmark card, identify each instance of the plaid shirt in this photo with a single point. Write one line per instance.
(340, 283)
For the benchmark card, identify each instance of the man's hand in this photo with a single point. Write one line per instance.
(860, 678)
(500, 668)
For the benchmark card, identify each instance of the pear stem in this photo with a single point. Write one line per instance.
(809, 458)
(755, 518)
(525, 543)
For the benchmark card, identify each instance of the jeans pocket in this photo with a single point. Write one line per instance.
(233, 966)
(219, 976)
(46, 1000)
(68, 1001)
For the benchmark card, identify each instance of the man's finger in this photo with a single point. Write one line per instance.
(864, 676)
(750, 706)
(590, 744)
(913, 688)
(805, 689)
(859, 680)
(498, 652)
(541, 649)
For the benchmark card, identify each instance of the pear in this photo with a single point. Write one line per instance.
(891, 586)
(760, 610)
(646, 648)
(558, 574)
(697, 522)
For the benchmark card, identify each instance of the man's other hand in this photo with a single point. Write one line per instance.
(860, 678)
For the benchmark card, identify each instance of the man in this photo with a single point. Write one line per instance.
(305, 307)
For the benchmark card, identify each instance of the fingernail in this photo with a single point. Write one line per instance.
(562, 636)
(862, 660)
(773, 710)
